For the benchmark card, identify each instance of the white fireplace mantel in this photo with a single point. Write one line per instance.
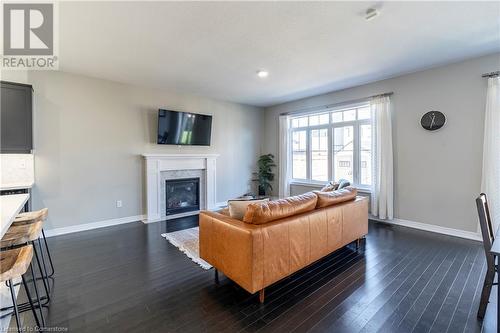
(157, 163)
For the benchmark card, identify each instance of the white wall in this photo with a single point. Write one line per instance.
(89, 135)
(437, 174)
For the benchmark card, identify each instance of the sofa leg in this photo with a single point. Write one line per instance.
(261, 296)
(216, 276)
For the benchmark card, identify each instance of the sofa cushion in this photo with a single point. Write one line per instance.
(326, 199)
(260, 213)
(237, 208)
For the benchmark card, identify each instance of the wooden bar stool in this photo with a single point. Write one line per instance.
(32, 217)
(27, 234)
(15, 264)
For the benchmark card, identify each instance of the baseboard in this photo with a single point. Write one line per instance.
(221, 204)
(93, 225)
(432, 228)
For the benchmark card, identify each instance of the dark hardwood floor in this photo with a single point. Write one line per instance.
(129, 279)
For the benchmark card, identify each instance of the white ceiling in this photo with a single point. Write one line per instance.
(214, 49)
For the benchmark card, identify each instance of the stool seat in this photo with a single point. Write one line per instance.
(14, 263)
(21, 234)
(31, 217)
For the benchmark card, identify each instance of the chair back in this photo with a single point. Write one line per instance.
(485, 223)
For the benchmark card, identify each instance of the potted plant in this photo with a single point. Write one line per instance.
(265, 175)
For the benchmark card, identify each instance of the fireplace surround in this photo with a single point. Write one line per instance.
(162, 167)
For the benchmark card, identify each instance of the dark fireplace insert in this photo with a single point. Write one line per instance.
(182, 195)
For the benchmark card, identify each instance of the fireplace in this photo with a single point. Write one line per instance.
(182, 195)
(162, 167)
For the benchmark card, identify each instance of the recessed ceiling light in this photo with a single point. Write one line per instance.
(262, 73)
(371, 13)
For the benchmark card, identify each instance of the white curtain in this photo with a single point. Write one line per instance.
(490, 183)
(284, 151)
(382, 196)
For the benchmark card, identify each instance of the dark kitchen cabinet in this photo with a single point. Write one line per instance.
(16, 118)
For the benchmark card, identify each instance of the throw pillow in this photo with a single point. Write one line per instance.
(343, 183)
(331, 186)
(237, 208)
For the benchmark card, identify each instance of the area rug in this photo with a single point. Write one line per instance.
(187, 241)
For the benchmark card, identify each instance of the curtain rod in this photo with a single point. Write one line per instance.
(492, 74)
(329, 106)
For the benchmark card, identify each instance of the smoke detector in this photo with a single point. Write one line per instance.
(371, 13)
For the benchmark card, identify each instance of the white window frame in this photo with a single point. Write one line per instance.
(330, 127)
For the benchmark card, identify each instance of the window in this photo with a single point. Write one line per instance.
(333, 144)
(299, 152)
(319, 154)
(343, 152)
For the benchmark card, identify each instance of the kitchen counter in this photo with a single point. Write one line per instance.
(16, 186)
(10, 206)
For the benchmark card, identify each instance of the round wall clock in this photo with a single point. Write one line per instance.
(433, 120)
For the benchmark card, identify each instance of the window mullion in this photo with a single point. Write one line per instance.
(308, 154)
(330, 153)
(356, 154)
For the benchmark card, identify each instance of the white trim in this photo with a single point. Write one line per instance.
(16, 186)
(154, 156)
(330, 107)
(157, 163)
(432, 228)
(93, 225)
(320, 185)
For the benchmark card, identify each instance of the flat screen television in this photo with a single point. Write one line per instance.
(184, 128)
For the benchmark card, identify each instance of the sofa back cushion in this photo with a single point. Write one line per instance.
(326, 199)
(237, 208)
(260, 213)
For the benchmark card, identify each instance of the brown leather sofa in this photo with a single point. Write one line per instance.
(278, 238)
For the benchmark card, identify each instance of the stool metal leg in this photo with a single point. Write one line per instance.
(498, 303)
(14, 302)
(48, 254)
(46, 298)
(26, 306)
(43, 274)
(46, 276)
(30, 300)
(45, 281)
(40, 307)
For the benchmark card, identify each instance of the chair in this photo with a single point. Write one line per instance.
(15, 264)
(23, 235)
(32, 217)
(488, 238)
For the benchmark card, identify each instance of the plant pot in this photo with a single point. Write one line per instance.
(262, 191)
